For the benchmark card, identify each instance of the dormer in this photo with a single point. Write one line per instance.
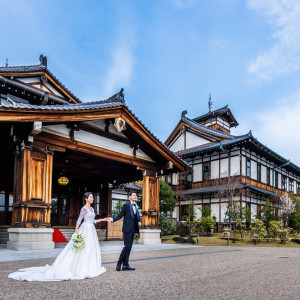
(221, 119)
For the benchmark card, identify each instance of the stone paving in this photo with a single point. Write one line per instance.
(211, 272)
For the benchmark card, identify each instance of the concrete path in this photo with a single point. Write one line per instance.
(211, 272)
(108, 247)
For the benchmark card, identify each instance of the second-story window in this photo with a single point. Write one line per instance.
(189, 176)
(259, 172)
(205, 171)
(283, 182)
(298, 188)
(248, 167)
(276, 180)
(268, 176)
(291, 185)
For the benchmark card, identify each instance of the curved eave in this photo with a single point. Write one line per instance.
(78, 113)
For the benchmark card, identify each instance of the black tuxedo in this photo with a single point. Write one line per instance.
(130, 227)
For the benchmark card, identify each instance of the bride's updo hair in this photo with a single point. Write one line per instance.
(86, 195)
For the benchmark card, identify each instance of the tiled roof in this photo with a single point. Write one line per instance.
(217, 112)
(219, 188)
(206, 129)
(35, 68)
(114, 101)
(238, 139)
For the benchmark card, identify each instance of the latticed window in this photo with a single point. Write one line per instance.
(268, 176)
(284, 182)
(276, 179)
(205, 170)
(291, 185)
(298, 188)
(258, 172)
(248, 167)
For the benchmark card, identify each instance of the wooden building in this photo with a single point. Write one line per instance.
(55, 147)
(218, 157)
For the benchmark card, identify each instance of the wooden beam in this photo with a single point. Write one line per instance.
(93, 150)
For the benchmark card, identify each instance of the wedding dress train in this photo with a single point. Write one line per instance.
(70, 265)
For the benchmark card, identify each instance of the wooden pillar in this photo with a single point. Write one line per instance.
(32, 188)
(150, 202)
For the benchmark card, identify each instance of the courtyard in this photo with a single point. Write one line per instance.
(185, 272)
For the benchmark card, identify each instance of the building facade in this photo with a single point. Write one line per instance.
(226, 167)
(54, 148)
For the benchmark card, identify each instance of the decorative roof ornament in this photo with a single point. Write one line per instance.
(183, 114)
(210, 103)
(6, 63)
(43, 60)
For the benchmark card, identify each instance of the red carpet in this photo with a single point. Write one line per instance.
(58, 237)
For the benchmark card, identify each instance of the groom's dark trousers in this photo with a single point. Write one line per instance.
(130, 227)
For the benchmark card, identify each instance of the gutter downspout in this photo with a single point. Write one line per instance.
(273, 171)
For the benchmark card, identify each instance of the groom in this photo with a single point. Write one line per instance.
(131, 225)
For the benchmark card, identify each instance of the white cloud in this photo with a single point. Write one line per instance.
(120, 72)
(284, 56)
(279, 127)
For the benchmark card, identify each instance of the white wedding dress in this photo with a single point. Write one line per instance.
(70, 265)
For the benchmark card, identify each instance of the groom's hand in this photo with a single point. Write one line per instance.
(139, 223)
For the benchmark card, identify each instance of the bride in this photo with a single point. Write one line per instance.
(70, 265)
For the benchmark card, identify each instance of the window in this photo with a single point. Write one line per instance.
(268, 176)
(291, 185)
(189, 176)
(298, 188)
(169, 179)
(283, 182)
(10, 202)
(248, 167)
(276, 180)
(2, 201)
(205, 171)
(259, 172)
(116, 206)
(97, 203)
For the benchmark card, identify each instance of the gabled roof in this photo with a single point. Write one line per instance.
(223, 112)
(200, 128)
(83, 112)
(38, 70)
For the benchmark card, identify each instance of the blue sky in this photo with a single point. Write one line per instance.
(169, 55)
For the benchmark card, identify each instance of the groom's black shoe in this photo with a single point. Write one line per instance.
(118, 268)
(127, 268)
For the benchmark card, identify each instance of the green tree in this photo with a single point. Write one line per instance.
(167, 202)
(267, 213)
(239, 227)
(294, 218)
(258, 230)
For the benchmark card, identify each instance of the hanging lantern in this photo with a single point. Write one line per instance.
(63, 180)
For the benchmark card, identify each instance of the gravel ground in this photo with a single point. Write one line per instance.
(195, 273)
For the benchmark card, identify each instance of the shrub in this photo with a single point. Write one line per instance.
(284, 234)
(239, 227)
(258, 230)
(274, 227)
(166, 225)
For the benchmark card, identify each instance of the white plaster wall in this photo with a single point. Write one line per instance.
(197, 169)
(279, 180)
(254, 170)
(174, 178)
(253, 210)
(263, 174)
(198, 211)
(224, 167)
(214, 169)
(60, 130)
(223, 210)
(243, 166)
(30, 79)
(215, 211)
(54, 91)
(102, 142)
(235, 166)
(178, 145)
(193, 140)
